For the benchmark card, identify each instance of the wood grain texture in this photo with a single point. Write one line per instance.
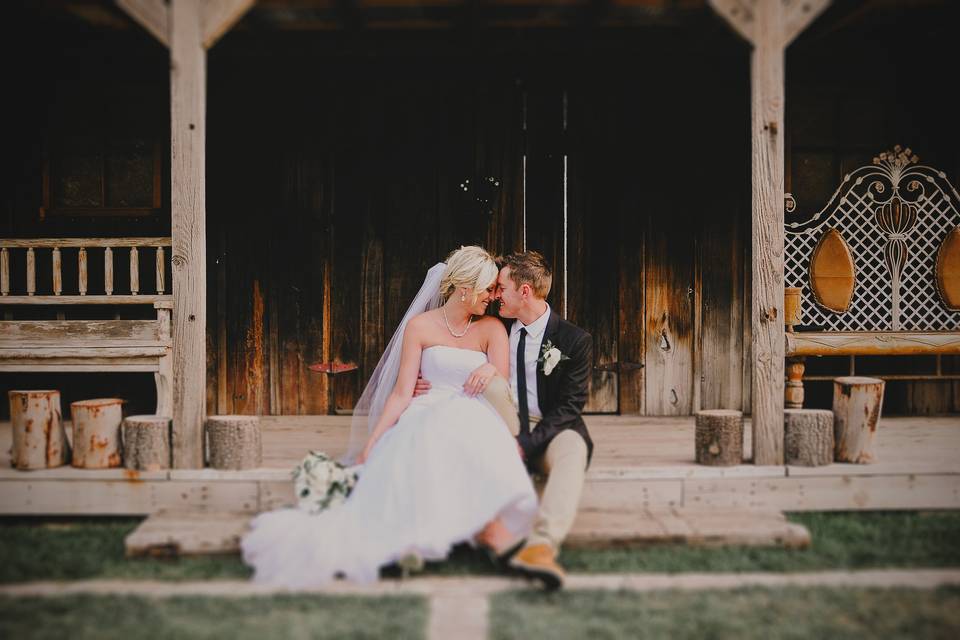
(188, 213)
(767, 122)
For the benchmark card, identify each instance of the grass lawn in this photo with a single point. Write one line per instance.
(767, 614)
(76, 549)
(121, 617)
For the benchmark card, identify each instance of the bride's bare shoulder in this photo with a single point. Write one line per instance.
(422, 321)
(492, 325)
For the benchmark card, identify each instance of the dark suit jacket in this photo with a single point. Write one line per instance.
(562, 394)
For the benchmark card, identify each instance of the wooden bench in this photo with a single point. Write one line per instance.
(65, 345)
(897, 222)
(874, 270)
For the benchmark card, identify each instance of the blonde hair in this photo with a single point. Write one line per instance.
(469, 267)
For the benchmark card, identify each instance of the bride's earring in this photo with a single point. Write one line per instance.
(463, 297)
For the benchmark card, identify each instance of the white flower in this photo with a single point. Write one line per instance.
(551, 359)
(321, 482)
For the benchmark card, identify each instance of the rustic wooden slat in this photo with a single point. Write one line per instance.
(88, 299)
(4, 271)
(81, 365)
(108, 271)
(161, 263)
(67, 352)
(94, 333)
(822, 343)
(767, 83)
(31, 272)
(188, 213)
(76, 243)
(56, 261)
(134, 271)
(82, 271)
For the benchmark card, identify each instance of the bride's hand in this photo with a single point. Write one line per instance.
(478, 379)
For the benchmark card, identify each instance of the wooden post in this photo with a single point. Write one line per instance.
(82, 271)
(188, 28)
(4, 272)
(134, 271)
(793, 392)
(146, 443)
(108, 271)
(31, 272)
(96, 433)
(769, 25)
(234, 442)
(719, 437)
(57, 271)
(857, 402)
(39, 441)
(808, 437)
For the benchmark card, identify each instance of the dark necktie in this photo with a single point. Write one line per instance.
(522, 383)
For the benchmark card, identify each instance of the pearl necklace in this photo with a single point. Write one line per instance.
(443, 312)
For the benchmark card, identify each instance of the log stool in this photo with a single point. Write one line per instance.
(857, 402)
(233, 442)
(96, 433)
(808, 437)
(719, 437)
(39, 440)
(146, 443)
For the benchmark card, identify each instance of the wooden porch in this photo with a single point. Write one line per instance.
(641, 463)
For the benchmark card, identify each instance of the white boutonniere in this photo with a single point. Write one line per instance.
(550, 357)
(321, 482)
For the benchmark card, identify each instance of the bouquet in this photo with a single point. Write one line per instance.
(321, 482)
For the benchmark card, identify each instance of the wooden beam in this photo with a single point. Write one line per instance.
(188, 213)
(152, 15)
(798, 14)
(866, 343)
(767, 88)
(739, 14)
(219, 16)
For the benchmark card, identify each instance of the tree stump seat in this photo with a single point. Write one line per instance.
(96, 433)
(233, 442)
(39, 440)
(146, 443)
(719, 437)
(808, 437)
(857, 402)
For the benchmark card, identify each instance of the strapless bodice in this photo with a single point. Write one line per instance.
(449, 367)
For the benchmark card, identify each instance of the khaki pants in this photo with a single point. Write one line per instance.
(565, 466)
(497, 393)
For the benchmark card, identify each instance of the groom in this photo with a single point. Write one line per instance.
(550, 362)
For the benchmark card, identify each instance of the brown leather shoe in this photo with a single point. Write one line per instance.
(539, 562)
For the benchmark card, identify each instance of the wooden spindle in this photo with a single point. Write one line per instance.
(108, 271)
(4, 272)
(57, 272)
(134, 271)
(31, 272)
(160, 261)
(82, 271)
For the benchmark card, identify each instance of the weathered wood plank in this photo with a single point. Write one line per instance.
(78, 333)
(842, 343)
(767, 83)
(188, 213)
(75, 243)
(67, 300)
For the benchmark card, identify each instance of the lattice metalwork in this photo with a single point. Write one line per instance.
(894, 215)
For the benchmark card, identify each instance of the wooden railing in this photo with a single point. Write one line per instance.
(32, 246)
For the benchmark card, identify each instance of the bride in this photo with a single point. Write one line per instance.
(438, 469)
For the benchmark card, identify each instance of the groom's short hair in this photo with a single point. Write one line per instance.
(530, 267)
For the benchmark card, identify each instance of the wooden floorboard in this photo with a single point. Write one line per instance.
(639, 463)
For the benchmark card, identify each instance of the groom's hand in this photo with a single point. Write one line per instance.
(422, 386)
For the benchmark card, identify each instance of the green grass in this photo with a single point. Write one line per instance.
(107, 617)
(89, 548)
(767, 614)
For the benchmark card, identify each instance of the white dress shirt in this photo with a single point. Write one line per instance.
(535, 331)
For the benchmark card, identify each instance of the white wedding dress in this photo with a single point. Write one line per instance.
(448, 467)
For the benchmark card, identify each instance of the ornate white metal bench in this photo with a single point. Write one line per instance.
(878, 268)
(87, 345)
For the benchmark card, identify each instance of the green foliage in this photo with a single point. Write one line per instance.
(288, 616)
(765, 614)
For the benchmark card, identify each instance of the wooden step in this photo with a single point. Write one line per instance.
(192, 532)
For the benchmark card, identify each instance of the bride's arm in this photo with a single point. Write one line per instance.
(399, 399)
(497, 348)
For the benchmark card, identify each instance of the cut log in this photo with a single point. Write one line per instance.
(146, 443)
(808, 437)
(96, 433)
(39, 440)
(233, 442)
(857, 402)
(719, 437)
